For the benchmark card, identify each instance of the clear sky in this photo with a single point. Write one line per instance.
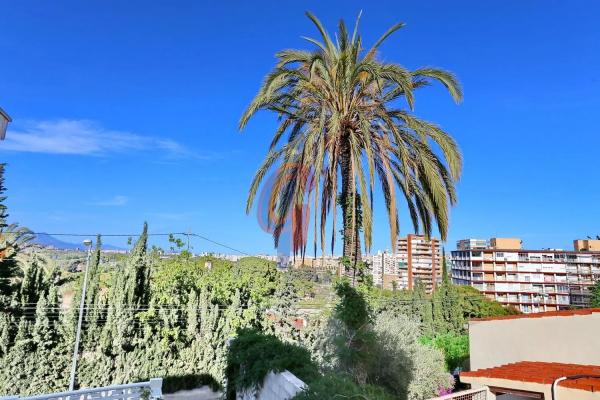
(128, 111)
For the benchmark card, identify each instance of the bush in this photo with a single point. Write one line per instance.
(455, 348)
(332, 386)
(403, 365)
(252, 355)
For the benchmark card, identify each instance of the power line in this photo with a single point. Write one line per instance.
(127, 235)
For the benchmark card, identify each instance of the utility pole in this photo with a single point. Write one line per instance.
(88, 244)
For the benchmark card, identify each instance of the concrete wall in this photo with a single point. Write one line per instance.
(572, 339)
(276, 386)
(505, 243)
(586, 245)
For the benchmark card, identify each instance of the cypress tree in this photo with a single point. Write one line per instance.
(438, 300)
(138, 284)
(285, 308)
(422, 308)
(6, 332)
(129, 292)
(94, 274)
(43, 333)
(12, 238)
(92, 304)
(32, 286)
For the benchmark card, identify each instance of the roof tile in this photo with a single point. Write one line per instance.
(542, 372)
(562, 313)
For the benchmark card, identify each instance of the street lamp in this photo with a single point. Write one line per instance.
(4, 120)
(87, 243)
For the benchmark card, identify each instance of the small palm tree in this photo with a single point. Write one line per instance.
(346, 123)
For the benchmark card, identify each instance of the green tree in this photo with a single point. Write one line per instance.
(93, 312)
(447, 312)
(33, 283)
(402, 364)
(12, 239)
(341, 110)
(285, 308)
(422, 308)
(354, 336)
(129, 294)
(252, 355)
(595, 292)
(454, 346)
(476, 305)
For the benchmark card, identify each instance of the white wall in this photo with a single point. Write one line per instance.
(276, 386)
(573, 339)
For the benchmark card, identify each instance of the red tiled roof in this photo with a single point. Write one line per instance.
(562, 313)
(542, 372)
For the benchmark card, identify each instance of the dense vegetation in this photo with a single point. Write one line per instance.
(148, 316)
(168, 318)
(595, 292)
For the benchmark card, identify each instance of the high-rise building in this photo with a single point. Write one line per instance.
(415, 259)
(531, 280)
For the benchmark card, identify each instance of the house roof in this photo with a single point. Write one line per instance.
(5, 115)
(543, 373)
(562, 313)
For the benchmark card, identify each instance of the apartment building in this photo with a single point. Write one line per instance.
(531, 280)
(415, 258)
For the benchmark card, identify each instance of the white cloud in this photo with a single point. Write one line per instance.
(116, 201)
(84, 137)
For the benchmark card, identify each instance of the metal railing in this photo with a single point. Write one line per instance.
(471, 394)
(151, 390)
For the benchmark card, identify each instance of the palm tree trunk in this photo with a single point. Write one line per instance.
(348, 201)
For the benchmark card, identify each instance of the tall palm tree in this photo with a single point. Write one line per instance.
(346, 122)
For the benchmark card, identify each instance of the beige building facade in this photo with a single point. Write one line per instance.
(531, 280)
(586, 245)
(319, 264)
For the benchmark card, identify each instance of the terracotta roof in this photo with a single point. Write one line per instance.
(542, 372)
(562, 313)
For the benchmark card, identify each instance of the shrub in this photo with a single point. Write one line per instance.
(252, 355)
(332, 386)
(404, 366)
(455, 348)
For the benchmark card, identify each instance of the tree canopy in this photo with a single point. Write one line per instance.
(346, 123)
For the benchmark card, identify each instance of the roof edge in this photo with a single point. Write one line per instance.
(562, 313)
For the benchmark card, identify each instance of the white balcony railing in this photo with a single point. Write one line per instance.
(472, 394)
(151, 390)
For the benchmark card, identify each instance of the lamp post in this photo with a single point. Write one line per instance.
(4, 120)
(88, 244)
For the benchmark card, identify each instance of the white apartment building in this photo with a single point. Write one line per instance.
(531, 280)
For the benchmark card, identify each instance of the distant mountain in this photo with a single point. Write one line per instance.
(43, 239)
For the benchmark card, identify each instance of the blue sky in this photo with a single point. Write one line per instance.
(128, 111)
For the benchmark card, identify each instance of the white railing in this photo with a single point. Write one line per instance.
(151, 390)
(471, 394)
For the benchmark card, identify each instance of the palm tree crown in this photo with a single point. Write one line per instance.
(346, 123)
